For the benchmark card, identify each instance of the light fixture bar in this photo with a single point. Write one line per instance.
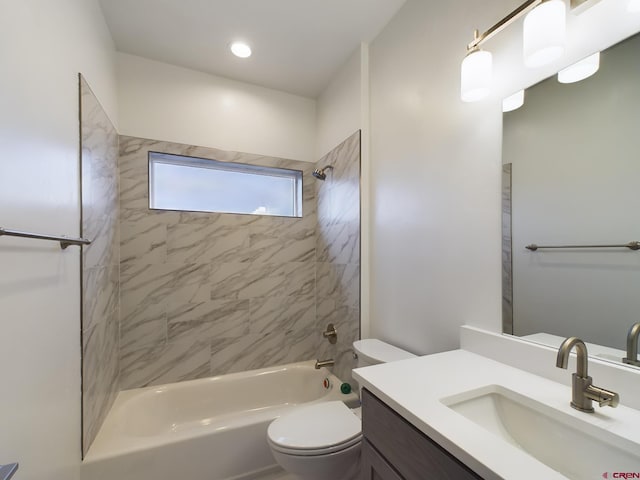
(504, 23)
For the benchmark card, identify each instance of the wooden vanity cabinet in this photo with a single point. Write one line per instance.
(393, 449)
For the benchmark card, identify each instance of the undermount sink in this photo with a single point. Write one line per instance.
(574, 448)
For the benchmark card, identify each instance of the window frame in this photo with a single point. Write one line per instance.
(198, 162)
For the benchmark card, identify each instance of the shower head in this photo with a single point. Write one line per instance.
(320, 174)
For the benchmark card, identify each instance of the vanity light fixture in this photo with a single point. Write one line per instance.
(544, 33)
(476, 71)
(634, 6)
(240, 49)
(580, 70)
(513, 102)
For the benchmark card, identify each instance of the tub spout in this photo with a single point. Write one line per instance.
(325, 363)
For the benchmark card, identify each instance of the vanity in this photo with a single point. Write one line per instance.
(393, 449)
(458, 415)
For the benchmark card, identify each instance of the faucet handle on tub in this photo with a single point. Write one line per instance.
(331, 334)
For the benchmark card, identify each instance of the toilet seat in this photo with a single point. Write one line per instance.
(317, 429)
(315, 452)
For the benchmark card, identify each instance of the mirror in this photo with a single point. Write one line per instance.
(571, 177)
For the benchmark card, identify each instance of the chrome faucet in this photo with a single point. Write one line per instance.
(324, 363)
(632, 345)
(583, 391)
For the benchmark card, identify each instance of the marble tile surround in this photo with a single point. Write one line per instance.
(208, 293)
(100, 264)
(338, 253)
(507, 262)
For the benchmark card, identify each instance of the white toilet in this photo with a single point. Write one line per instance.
(322, 441)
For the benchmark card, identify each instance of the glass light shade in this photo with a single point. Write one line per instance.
(544, 33)
(241, 50)
(513, 102)
(580, 70)
(475, 76)
(634, 6)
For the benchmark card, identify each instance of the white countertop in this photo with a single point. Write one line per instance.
(414, 388)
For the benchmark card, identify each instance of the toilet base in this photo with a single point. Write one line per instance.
(342, 465)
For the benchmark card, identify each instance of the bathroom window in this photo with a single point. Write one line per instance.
(184, 183)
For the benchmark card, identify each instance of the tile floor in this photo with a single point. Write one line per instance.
(279, 475)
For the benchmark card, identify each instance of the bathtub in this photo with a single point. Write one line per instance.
(208, 429)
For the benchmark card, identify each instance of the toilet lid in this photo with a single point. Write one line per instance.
(375, 351)
(314, 429)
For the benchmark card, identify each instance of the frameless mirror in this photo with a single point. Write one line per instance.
(571, 179)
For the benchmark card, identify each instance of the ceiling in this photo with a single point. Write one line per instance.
(297, 45)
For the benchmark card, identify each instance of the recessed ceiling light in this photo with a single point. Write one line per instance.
(241, 49)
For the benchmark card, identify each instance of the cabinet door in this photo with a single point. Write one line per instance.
(414, 455)
(374, 467)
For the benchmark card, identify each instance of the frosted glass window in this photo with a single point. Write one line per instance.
(195, 184)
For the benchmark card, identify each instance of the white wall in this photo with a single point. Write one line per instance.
(436, 165)
(338, 107)
(43, 46)
(164, 102)
(435, 183)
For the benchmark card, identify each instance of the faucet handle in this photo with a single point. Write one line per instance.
(605, 398)
(331, 334)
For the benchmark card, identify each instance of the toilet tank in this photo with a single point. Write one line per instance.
(372, 351)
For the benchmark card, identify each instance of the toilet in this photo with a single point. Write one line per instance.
(322, 441)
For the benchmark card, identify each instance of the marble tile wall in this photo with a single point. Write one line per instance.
(100, 264)
(507, 262)
(208, 293)
(338, 253)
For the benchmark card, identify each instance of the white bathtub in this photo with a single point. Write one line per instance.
(208, 429)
